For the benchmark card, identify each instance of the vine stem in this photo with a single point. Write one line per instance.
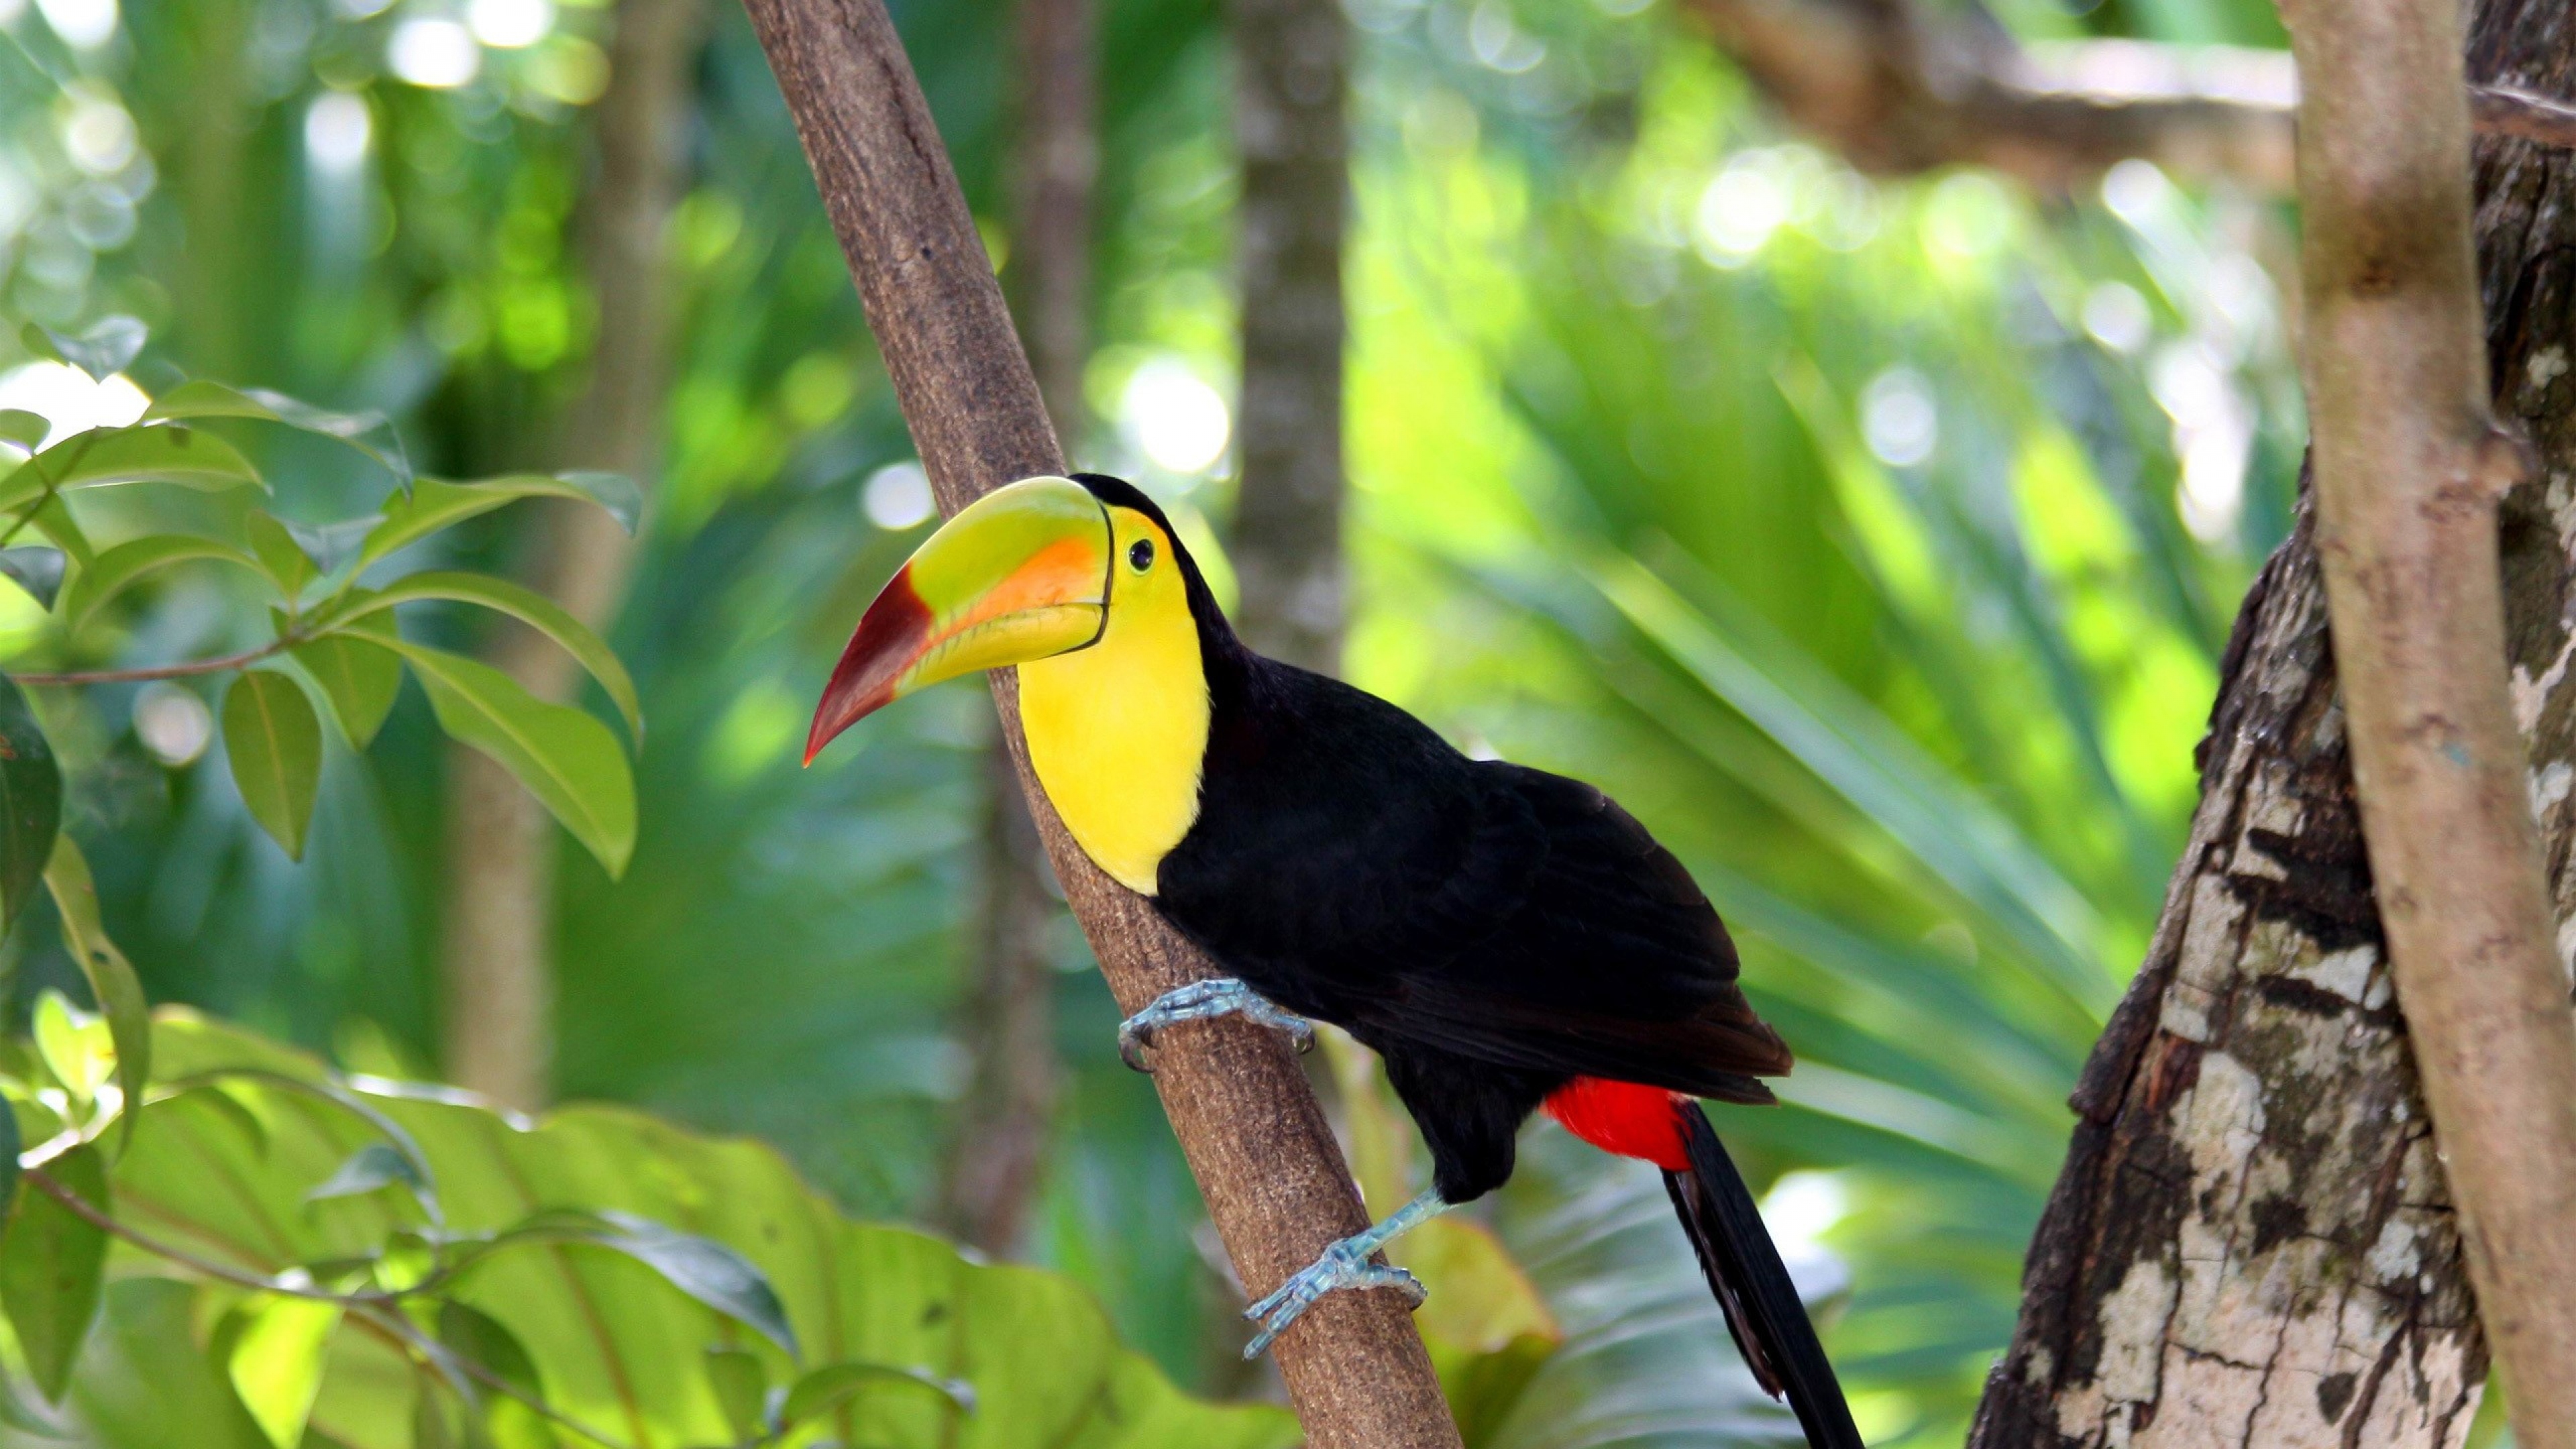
(181, 670)
(81, 1207)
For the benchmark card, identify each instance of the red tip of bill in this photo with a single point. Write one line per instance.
(891, 635)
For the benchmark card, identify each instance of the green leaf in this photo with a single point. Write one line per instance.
(274, 742)
(144, 453)
(53, 518)
(103, 351)
(526, 605)
(742, 1391)
(567, 759)
(829, 1387)
(51, 1264)
(121, 567)
(39, 571)
(368, 432)
(359, 677)
(486, 1343)
(280, 555)
(15, 1412)
(31, 801)
(111, 976)
(11, 1144)
(706, 1270)
(434, 505)
(376, 1165)
(74, 1045)
(23, 428)
(276, 1363)
(332, 546)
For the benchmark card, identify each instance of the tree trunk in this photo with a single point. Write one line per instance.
(996, 1162)
(1292, 63)
(2252, 1243)
(1276, 1187)
(498, 976)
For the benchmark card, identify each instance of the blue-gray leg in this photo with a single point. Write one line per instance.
(1198, 1001)
(1344, 1265)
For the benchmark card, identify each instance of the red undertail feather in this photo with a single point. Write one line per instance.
(1625, 1118)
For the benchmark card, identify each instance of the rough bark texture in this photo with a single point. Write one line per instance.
(1292, 83)
(1249, 1125)
(999, 1156)
(2252, 1243)
(2409, 467)
(498, 974)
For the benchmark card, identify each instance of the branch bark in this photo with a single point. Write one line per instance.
(2409, 467)
(1896, 91)
(2253, 1243)
(1254, 1135)
(498, 972)
(1292, 84)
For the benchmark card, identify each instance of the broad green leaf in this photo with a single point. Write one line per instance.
(31, 801)
(376, 1165)
(834, 1384)
(524, 604)
(434, 504)
(144, 453)
(333, 546)
(487, 1344)
(611, 1343)
(23, 428)
(121, 567)
(103, 351)
(359, 676)
(39, 571)
(277, 1360)
(706, 1270)
(51, 1263)
(53, 518)
(274, 743)
(74, 1044)
(111, 976)
(280, 555)
(742, 1390)
(567, 759)
(368, 432)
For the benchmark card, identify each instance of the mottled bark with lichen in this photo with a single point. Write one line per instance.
(2252, 1243)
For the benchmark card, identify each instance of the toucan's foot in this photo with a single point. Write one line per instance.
(1198, 1001)
(1344, 1265)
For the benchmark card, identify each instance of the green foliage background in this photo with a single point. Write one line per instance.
(1632, 376)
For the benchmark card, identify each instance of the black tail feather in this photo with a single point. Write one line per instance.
(1762, 1308)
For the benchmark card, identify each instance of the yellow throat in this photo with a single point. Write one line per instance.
(1117, 731)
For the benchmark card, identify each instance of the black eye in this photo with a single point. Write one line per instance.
(1140, 555)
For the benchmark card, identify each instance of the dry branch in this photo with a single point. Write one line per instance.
(1897, 91)
(2409, 468)
(1255, 1137)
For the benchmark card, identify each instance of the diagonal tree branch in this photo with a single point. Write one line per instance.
(1263, 1154)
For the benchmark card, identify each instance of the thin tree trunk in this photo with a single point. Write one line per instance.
(999, 1156)
(1257, 1141)
(498, 972)
(1292, 83)
(2253, 1243)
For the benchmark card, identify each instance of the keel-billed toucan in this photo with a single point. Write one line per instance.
(1507, 940)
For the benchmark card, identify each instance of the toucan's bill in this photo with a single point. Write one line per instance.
(1021, 574)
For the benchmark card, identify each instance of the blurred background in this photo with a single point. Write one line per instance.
(1868, 520)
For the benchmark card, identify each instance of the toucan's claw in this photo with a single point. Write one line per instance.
(1199, 1001)
(1345, 1264)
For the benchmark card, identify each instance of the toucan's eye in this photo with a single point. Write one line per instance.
(1140, 555)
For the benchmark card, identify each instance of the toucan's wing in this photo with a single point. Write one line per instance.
(1349, 862)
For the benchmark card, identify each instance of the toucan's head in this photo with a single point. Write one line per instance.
(1027, 572)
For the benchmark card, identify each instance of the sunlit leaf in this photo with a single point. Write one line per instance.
(485, 1343)
(834, 1384)
(127, 564)
(111, 976)
(376, 1165)
(103, 351)
(526, 605)
(703, 1268)
(39, 571)
(51, 1263)
(567, 759)
(368, 432)
(359, 677)
(31, 800)
(74, 1045)
(281, 556)
(144, 453)
(434, 504)
(276, 1363)
(274, 744)
(23, 428)
(742, 1390)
